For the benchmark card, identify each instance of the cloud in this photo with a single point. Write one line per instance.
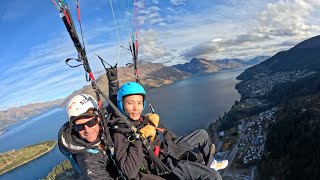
(151, 18)
(151, 46)
(276, 25)
(155, 1)
(202, 50)
(150, 15)
(210, 49)
(186, 29)
(177, 2)
(153, 49)
(287, 18)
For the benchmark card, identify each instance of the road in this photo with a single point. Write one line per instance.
(230, 157)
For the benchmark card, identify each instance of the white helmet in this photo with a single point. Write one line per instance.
(79, 105)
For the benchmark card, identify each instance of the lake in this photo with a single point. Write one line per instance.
(183, 106)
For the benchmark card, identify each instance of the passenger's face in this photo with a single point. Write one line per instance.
(88, 128)
(133, 106)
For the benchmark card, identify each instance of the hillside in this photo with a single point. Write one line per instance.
(298, 62)
(16, 114)
(293, 140)
(305, 56)
(256, 60)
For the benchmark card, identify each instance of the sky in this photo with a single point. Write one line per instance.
(34, 42)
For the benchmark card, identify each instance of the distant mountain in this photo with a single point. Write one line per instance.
(198, 66)
(230, 63)
(16, 114)
(305, 56)
(257, 60)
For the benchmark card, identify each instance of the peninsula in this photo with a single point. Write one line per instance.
(15, 158)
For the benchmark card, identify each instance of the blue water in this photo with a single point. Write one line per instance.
(34, 130)
(183, 106)
(196, 102)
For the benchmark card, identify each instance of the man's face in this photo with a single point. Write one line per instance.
(88, 128)
(133, 106)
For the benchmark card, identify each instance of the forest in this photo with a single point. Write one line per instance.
(293, 143)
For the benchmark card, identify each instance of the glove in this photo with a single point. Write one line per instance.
(148, 131)
(153, 119)
(112, 73)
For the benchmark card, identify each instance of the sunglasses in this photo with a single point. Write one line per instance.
(90, 123)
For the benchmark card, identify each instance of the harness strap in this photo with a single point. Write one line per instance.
(158, 165)
(93, 151)
(111, 155)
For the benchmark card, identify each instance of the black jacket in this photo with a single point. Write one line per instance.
(131, 156)
(93, 162)
(135, 162)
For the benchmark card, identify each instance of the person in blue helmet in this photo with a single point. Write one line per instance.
(133, 157)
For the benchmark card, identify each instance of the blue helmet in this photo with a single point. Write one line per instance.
(130, 88)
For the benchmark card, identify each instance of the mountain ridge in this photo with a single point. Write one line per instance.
(303, 56)
(199, 66)
(16, 114)
(298, 62)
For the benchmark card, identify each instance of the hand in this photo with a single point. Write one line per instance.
(148, 131)
(112, 73)
(153, 119)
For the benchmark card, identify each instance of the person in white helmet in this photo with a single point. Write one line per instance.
(82, 141)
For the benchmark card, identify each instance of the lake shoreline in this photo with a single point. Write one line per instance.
(9, 167)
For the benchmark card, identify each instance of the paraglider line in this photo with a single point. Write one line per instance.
(115, 23)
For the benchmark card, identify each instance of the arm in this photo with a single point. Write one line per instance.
(129, 155)
(113, 90)
(112, 74)
(93, 166)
